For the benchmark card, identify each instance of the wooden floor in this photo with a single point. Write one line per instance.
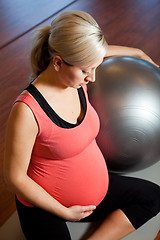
(134, 23)
(158, 236)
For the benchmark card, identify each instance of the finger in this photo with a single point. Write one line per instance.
(154, 63)
(86, 214)
(88, 208)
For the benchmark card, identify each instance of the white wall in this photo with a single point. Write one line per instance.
(11, 229)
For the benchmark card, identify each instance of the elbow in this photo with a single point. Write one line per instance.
(12, 181)
(9, 183)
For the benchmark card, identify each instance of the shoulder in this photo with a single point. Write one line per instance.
(20, 109)
(21, 117)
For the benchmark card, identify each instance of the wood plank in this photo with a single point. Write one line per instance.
(132, 23)
(19, 16)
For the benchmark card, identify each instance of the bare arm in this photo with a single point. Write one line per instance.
(127, 51)
(21, 135)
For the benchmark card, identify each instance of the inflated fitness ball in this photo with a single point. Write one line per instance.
(126, 96)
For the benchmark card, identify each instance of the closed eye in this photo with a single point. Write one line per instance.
(84, 72)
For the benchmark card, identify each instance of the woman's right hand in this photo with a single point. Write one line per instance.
(76, 213)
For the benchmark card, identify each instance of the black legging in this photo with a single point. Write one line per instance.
(138, 199)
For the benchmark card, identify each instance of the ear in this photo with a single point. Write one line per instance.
(57, 62)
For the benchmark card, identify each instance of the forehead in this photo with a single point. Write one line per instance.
(95, 64)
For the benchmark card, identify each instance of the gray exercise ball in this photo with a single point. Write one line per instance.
(126, 96)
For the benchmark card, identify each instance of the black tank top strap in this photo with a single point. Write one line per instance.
(49, 110)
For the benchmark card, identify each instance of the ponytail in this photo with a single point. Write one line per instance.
(40, 57)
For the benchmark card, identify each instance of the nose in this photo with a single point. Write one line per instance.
(91, 76)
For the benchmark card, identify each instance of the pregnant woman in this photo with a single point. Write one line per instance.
(52, 161)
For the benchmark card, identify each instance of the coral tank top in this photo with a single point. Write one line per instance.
(67, 162)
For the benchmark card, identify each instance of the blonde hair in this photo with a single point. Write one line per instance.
(74, 36)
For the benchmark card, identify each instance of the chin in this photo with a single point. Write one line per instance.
(77, 86)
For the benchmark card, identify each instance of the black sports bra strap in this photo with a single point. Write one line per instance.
(50, 112)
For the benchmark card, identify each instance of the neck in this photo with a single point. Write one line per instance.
(51, 78)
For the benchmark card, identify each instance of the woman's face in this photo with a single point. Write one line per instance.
(73, 76)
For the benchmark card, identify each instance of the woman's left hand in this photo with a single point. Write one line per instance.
(147, 58)
(114, 50)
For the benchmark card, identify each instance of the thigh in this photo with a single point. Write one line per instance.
(39, 224)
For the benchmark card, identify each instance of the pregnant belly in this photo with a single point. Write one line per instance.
(82, 180)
